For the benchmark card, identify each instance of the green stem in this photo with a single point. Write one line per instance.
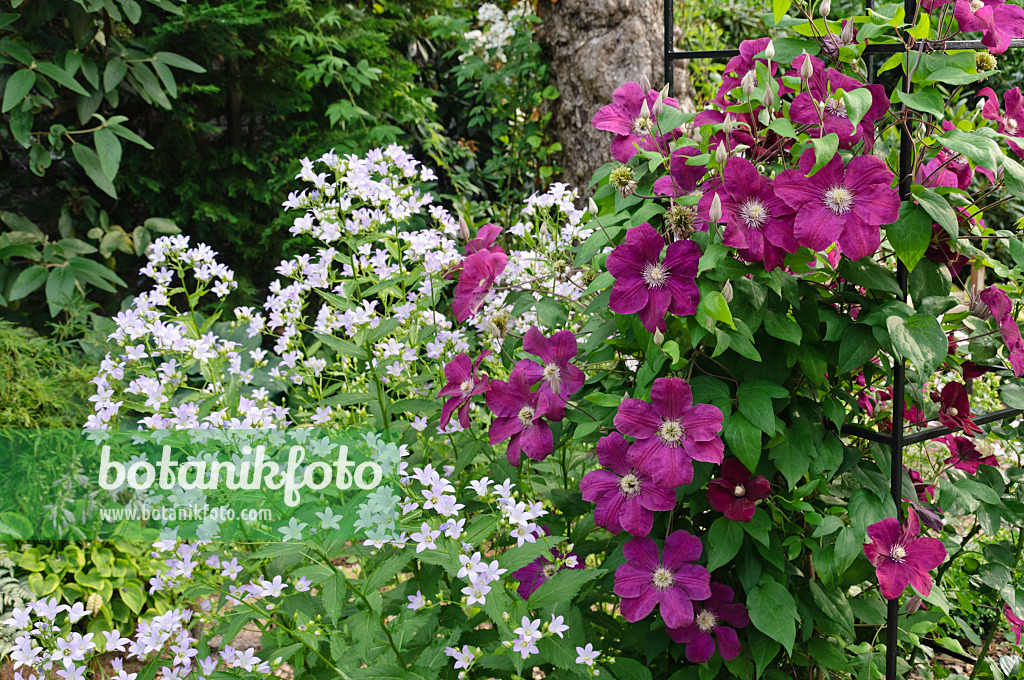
(984, 650)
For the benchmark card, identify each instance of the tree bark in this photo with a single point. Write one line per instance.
(594, 46)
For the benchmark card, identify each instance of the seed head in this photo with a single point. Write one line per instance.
(622, 179)
(985, 61)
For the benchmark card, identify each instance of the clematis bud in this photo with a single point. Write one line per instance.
(728, 125)
(846, 36)
(645, 83)
(748, 83)
(913, 604)
(727, 291)
(658, 106)
(769, 97)
(769, 52)
(806, 68)
(715, 211)
(463, 229)
(592, 207)
(721, 154)
(664, 91)
(645, 110)
(825, 7)
(659, 338)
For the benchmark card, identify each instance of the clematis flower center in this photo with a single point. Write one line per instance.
(1011, 126)
(976, 5)
(740, 491)
(839, 200)
(754, 213)
(549, 570)
(643, 127)
(629, 485)
(655, 276)
(836, 107)
(898, 553)
(553, 377)
(466, 387)
(662, 578)
(671, 432)
(953, 411)
(526, 416)
(706, 621)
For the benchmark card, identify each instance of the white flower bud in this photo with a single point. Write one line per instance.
(658, 106)
(748, 83)
(659, 338)
(645, 110)
(769, 97)
(664, 91)
(846, 36)
(769, 52)
(721, 154)
(728, 125)
(727, 291)
(825, 7)
(715, 211)
(463, 229)
(645, 83)
(592, 207)
(806, 68)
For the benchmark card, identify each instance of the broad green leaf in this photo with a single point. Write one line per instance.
(825, 149)
(983, 151)
(90, 162)
(18, 85)
(114, 73)
(919, 339)
(28, 282)
(744, 440)
(755, 403)
(724, 540)
(60, 285)
(782, 327)
(178, 61)
(869, 274)
(940, 210)
(54, 72)
(773, 612)
(779, 9)
(927, 100)
(856, 348)
(717, 308)
(108, 148)
(910, 235)
(857, 104)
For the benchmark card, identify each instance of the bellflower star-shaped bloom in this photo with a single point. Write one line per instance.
(1002, 311)
(671, 432)
(735, 494)
(670, 580)
(626, 498)
(719, 616)
(955, 408)
(479, 271)
(625, 116)
(965, 455)
(650, 286)
(536, 573)
(1011, 120)
(464, 383)
(821, 108)
(758, 223)
(848, 205)
(998, 21)
(559, 379)
(518, 415)
(901, 557)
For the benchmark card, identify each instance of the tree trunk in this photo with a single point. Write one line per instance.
(594, 46)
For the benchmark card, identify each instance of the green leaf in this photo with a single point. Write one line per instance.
(561, 588)
(779, 9)
(18, 85)
(940, 210)
(625, 668)
(724, 541)
(178, 61)
(60, 286)
(51, 70)
(131, 594)
(773, 612)
(825, 149)
(27, 282)
(857, 104)
(910, 235)
(983, 151)
(919, 339)
(341, 346)
(717, 308)
(1013, 176)
(869, 274)
(856, 348)
(755, 403)
(90, 162)
(108, 148)
(114, 73)
(1012, 395)
(926, 100)
(782, 327)
(744, 440)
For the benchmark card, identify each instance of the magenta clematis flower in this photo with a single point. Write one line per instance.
(966, 455)
(955, 408)
(536, 573)
(626, 498)
(758, 223)
(945, 170)
(559, 379)
(484, 240)
(1010, 121)
(717, 615)
(819, 107)
(670, 580)
(743, 63)
(1016, 623)
(464, 383)
(649, 286)
(831, 43)
(940, 250)
(900, 557)
(682, 179)
(479, 271)
(735, 494)
(519, 414)
(671, 432)
(1002, 310)
(741, 132)
(848, 205)
(624, 116)
(925, 492)
(998, 21)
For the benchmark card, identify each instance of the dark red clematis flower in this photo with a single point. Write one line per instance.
(670, 580)
(998, 21)
(735, 494)
(559, 379)
(825, 111)
(671, 432)
(650, 286)
(1002, 310)
(624, 116)
(519, 414)
(479, 271)
(719, 616)
(925, 492)
(538, 572)
(683, 179)
(955, 408)
(626, 498)
(900, 557)
(966, 455)
(940, 250)
(464, 383)
(758, 223)
(849, 205)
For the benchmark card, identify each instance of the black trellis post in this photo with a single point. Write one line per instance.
(898, 440)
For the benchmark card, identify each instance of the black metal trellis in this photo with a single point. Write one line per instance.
(898, 440)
